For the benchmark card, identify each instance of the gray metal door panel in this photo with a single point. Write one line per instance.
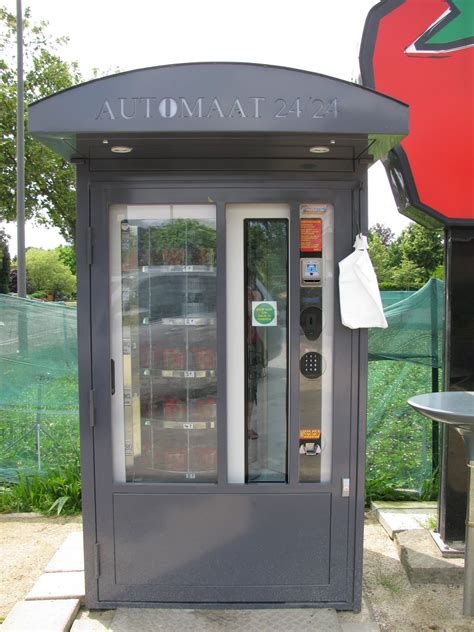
(140, 547)
(222, 540)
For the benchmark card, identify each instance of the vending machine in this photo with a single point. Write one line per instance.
(222, 400)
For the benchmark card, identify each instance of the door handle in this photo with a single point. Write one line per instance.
(112, 376)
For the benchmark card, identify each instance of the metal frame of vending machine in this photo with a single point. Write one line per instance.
(222, 402)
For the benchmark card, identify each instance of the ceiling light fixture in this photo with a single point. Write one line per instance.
(121, 149)
(319, 149)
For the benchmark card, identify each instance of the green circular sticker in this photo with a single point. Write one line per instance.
(264, 313)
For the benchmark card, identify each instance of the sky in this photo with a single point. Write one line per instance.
(317, 35)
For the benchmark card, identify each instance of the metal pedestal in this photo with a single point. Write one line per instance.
(456, 409)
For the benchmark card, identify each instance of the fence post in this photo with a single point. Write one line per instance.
(434, 370)
(39, 402)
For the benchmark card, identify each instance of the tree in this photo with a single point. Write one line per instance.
(49, 180)
(46, 272)
(408, 276)
(423, 247)
(408, 262)
(385, 233)
(67, 254)
(4, 262)
(379, 255)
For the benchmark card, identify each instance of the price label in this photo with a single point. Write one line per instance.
(188, 268)
(190, 321)
(188, 426)
(189, 374)
(190, 475)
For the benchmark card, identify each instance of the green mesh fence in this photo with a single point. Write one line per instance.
(394, 296)
(39, 421)
(415, 326)
(404, 360)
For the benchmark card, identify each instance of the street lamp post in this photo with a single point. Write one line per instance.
(20, 157)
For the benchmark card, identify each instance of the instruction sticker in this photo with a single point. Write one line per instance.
(313, 210)
(264, 314)
(310, 434)
(311, 235)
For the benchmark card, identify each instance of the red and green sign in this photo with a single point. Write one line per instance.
(422, 52)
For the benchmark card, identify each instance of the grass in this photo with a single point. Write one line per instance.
(391, 582)
(58, 492)
(431, 523)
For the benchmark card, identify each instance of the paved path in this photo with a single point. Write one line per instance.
(53, 605)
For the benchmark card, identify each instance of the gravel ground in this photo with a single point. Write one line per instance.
(27, 543)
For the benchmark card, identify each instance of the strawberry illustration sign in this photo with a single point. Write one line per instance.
(422, 53)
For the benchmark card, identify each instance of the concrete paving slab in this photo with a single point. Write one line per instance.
(413, 506)
(360, 622)
(41, 616)
(423, 561)
(402, 520)
(274, 620)
(403, 516)
(93, 620)
(453, 549)
(74, 539)
(69, 556)
(58, 586)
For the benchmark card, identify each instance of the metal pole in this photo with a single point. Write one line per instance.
(468, 601)
(20, 157)
(434, 372)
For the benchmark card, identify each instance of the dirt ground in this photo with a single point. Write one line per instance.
(27, 543)
(396, 605)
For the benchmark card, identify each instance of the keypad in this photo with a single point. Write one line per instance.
(311, 365)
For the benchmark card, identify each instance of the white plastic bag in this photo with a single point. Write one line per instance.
(361, 305)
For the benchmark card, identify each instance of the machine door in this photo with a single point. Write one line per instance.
(219, 448)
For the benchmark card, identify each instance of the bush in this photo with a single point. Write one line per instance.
(46, 272)
(39, 294)
(58, 492)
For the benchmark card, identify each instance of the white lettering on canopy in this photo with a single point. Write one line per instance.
(127, 108)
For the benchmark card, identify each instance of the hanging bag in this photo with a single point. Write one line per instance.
(361, 305)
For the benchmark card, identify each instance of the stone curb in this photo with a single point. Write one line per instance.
(423, 562)
(41, 616)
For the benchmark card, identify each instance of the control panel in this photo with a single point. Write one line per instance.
(313, 228)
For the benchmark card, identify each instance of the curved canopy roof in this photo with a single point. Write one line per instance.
(205, 100)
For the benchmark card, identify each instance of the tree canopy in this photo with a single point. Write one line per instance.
(408, 261)
(49, 180)
(4, 262)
